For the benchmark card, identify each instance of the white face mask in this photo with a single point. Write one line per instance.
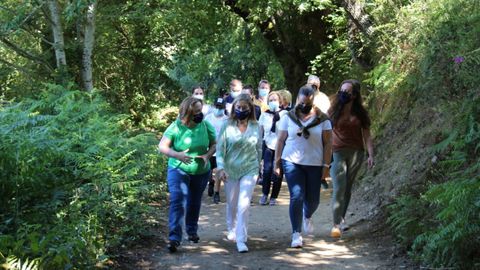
(235, 94)
(198, 96)
(218, 112)
(273, 105)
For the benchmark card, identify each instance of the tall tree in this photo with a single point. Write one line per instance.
(88, 42)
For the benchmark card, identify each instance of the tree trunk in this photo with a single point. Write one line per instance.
(88, 42)
(59, 43)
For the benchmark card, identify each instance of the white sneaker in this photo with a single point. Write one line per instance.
(297, 240)
(307, 225)
(231, 236)
(263, 200)
(242, 247)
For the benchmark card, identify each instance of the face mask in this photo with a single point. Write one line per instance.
(273, 106)
(235, 94)
(198, 118)
(198, 96)
(344, 97)
(218, 112)
(305, 109)
(242, 115)
(263, 92)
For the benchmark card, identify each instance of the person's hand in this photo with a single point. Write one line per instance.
(183, 157)
(325, 173)
(222, 175)
(205, 160)
(276, 168)
(370, 162)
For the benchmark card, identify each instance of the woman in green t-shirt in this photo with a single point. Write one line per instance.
(189, 142)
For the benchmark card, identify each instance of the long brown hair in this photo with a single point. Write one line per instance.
(357, 107)
(248, 99)
(186, 109)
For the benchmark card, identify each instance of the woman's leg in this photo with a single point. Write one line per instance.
(194, 201)
(354, 163)
(232, 187)
(178, 182)
(296, 185)
(247, 184)
(312, 189)
(339, 180)
(268, 156)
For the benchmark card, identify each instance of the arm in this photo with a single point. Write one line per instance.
(327, 151)
(220, 150)
(259, 144)
(281, 138)
(165, 147)
(369, 142)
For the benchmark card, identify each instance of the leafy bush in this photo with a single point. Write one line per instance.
(75, 182)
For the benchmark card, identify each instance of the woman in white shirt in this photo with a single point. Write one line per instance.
(268, 125)
(304, 150)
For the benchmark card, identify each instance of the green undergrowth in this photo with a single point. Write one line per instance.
(75, 181)
(427, 106)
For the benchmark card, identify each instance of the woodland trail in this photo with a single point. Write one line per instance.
(269, 243)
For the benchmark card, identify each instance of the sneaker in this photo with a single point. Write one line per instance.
(210, 188)
(344, 226)
(231, 236)
(194, 238)
(297, 241)
(173, 245)
(336, 232)
(242, 247)
(273, 201)
(307, 225)
(263, 200)
(216, 197)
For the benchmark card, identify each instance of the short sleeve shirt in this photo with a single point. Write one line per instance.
(196, 140)
(299, 150)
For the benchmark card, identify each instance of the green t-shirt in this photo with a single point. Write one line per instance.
(196, 139)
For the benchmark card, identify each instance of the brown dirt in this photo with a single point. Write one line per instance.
(364, 246)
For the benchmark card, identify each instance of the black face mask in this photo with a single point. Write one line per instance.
(305, 109)
(344, 97)
(198, 118)
(241, 115)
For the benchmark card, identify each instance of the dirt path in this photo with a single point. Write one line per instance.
(269, 241)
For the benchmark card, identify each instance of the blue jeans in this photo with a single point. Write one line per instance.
(304, 186)
(185, 200)
(269, 176)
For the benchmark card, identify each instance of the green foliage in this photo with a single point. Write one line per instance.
(433, 69)
(75, 182)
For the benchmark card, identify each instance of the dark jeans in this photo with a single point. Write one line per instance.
(269, 176)
(185, 200)
(304, 186)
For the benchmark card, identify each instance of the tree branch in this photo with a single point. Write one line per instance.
(25, 53)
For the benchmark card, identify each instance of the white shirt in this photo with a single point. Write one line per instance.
(321, 101)
(299, 150)
(266, 121)
(217, 122)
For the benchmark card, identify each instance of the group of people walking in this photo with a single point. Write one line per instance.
(242, 131)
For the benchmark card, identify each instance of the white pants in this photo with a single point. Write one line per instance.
(238, 193)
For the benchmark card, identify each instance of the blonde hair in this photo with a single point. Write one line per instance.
(286, 96)
(248, 99)
(280, 98)
(186, 108)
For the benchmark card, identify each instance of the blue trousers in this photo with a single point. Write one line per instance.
(268, 176)
(185, 200)
(304, 186)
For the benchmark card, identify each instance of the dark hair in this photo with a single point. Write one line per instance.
(197, 87)
(186, 108)
(357, 107)
(307, 90)
(263, 81)
(249, 87)
(248, 99)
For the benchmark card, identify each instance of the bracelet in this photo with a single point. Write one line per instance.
(327, 165)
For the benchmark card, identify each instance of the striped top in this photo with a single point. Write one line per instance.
(238, 153)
